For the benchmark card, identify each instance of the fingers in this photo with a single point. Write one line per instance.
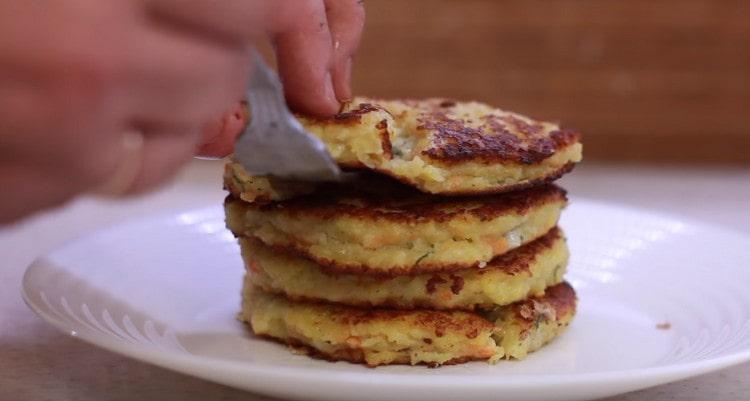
(23, 113)
(346, 20)
(161, 154)
(228, 20)
(314, 39)
(179, 80)
(47, 128)
(304, 53)
(25, 196)
(218, 136)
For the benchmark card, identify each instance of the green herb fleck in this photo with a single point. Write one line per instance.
(557, 274)
(423, 256)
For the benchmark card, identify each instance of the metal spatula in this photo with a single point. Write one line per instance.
(275, 143)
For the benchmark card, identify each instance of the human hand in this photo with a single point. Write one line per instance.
(79, 80)
(314, 52)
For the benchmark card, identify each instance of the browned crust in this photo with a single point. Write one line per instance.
(395, 181)
(352, 116)
(335, 267)
(357, 356)
(385, 139)
(549, 178)
(438, 321)
(520, 259)
(398, 203)
(454, 142)
(513, 262)
(561, 297)
(388, 303)
(498, 139)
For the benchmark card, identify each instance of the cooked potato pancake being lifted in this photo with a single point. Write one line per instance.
(421, 336)
(391, 229)
(442, 146)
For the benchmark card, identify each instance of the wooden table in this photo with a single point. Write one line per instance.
(38, 363)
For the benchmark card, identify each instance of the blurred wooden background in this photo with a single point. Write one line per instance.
(645, 80)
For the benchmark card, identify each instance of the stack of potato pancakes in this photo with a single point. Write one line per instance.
(443, 248)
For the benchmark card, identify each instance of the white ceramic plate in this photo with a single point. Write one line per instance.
(661, 299)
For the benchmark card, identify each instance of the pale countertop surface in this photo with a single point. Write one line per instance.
(38, 363)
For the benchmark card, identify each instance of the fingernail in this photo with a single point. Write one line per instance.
(330, 93)
(346, 90)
